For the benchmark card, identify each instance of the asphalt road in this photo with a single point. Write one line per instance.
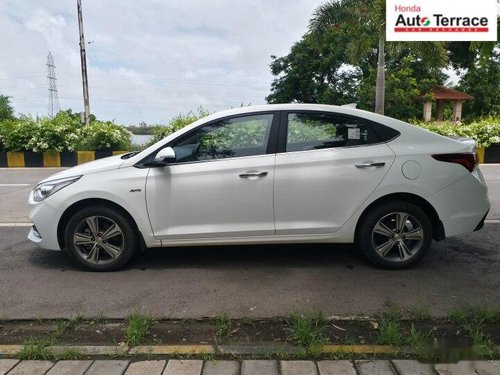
(253, 281)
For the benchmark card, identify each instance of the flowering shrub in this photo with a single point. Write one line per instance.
(102, 136)
(61, 133)
(485, 131)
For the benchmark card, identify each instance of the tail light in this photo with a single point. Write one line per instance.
(468, 160)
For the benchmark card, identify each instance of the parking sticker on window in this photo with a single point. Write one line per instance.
(353, 133)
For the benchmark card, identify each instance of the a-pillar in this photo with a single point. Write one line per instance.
(457, 110)
(427, 111)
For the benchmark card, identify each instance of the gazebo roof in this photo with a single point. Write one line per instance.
(444, 93)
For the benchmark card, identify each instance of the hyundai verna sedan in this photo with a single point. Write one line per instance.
(290, 173)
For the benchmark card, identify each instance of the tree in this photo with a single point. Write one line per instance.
(313, 73)
(481, 80)
(364, 21)
(6, 109)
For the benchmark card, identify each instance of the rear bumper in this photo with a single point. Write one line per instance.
(481, 223)
(462, 206)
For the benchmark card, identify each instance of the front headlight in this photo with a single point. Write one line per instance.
(45, 189)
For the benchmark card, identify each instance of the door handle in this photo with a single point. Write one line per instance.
(369, 165)
(253, 174)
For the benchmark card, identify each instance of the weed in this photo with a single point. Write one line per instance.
(420, 313)
(37, 349)
(222, 324)
(79, 318)
(63, 326)
(137, 326)
(69, 353)
(306, 331)
(389, 330)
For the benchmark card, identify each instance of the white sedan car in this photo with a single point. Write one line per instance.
(288, 173)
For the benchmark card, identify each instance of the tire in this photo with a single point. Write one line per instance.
(100, 238)
(395, 235)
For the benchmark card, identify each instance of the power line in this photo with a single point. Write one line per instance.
(54, 105)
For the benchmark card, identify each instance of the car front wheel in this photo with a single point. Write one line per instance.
(100, 238)
(395, 235)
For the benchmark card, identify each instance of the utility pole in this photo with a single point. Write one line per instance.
(54, 106)
(83, 58)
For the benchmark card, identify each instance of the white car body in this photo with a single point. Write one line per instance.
(307, 196)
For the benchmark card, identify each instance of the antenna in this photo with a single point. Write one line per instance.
(54, 106)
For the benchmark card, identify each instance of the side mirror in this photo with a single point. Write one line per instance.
(164, 156)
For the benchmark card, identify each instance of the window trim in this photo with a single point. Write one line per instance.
(283, 133)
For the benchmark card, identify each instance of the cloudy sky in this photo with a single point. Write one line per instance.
(148, 60)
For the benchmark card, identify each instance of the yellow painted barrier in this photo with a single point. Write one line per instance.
(119, 152)
(85, 156)
(15, 159)
(51, 159)
(480, 154)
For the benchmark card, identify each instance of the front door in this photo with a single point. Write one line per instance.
(221, 184)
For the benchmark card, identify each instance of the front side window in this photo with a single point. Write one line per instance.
(313, 131)
(229, 138)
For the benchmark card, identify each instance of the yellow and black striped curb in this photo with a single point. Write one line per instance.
(51, 159)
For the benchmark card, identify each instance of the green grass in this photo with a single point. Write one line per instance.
(472, 320)
(68, 354)
(389, 330)
(137, 326)
(420, 313)
(307, 331)
(222, 323)
(36, 349)
(475, 313)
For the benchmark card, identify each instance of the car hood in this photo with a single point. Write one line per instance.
(101, 165)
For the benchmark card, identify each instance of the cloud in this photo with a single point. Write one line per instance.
(147, 60)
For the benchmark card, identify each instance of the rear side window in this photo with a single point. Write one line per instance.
(313, 131)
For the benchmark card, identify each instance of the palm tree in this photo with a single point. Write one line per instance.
(364, 21)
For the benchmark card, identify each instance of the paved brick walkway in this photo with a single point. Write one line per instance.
(246, 367)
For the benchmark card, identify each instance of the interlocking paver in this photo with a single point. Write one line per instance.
(107, 367)
(340, 367)
(145, 367)
(221, 368)
(183, 367)
(6, 365)
(298, 368)
(31, 368)
(411, 367)
(70, 368)
(460, 368)
(256, 367)
(487, 367)
(374, 367)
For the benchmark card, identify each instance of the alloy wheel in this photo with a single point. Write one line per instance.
(98, 240)
(397, 237)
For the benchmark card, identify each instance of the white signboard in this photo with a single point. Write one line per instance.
(446, 20)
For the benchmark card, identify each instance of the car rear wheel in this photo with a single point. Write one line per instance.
(395, 235)
(100, 238)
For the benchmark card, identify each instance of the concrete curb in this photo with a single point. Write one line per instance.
(192, 350)
(51, 159)
(12, 350)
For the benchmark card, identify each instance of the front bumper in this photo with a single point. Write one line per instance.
(44, 217)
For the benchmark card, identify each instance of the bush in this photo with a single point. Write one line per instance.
(485, 131)
(103, 136)
(61, 133)
(177, 123)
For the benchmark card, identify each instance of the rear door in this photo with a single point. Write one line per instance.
(330, 164)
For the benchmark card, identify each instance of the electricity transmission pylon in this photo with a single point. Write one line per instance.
(54, 106)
